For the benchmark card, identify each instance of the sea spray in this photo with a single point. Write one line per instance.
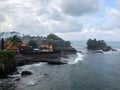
(30, 66)
(29, 81)
(80, 57)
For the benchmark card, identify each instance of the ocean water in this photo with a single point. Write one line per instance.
(84, 71)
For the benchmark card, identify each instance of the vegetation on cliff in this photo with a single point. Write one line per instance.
(15, 40)
(58, 43)
(98, 45)
(7, 62)
(38, 41)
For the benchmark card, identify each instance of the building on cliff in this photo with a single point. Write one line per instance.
(38, 39)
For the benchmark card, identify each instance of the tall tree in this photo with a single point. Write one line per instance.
(2, 44)
(53, 37)
(33, 43)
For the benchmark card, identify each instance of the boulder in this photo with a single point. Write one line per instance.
(26, 73)
(45, 74)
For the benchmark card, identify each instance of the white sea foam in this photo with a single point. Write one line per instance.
(118, 50)
(31, 80)
(112, 52)
(30, 66)
(80, 57)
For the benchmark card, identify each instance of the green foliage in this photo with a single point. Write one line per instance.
(53, 37)
(58, 43)
(96, 45)
(7, 56)
(15, 40)
(33, 43)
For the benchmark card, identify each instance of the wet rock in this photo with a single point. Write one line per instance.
(57, 62)
(113, 49)
(97, 51)
(107, 48)
(16, 72)
(26, 73)
(45, 74)
(7, 84)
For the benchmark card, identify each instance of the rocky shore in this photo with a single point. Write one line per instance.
(53, 58)
(9, 82)
(23, 60)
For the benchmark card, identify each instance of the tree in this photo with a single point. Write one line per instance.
(2, 44)
(96, 45)
(53, 37)
(15, 40)
(33, 43)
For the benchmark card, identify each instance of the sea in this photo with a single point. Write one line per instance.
(85, 70)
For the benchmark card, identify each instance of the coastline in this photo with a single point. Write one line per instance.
(26, 58)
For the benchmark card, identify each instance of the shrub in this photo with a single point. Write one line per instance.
(7, 56)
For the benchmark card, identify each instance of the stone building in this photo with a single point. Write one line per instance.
(38, 39)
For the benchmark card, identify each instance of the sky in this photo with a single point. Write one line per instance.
(69, 19)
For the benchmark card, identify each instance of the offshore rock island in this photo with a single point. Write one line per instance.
(21, 50)
(98, 45)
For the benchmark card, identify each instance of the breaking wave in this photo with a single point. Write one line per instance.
(80, 57)
(32, 65)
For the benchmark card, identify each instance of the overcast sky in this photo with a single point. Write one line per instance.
(70, 19)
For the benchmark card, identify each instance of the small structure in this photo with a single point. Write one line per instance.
(11, 46)
(23, 45)
(47, 48)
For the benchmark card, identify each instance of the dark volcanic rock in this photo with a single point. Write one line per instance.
(26, 73)
(97, 51)
(113, 49)
(45, 74)
(107, 48)
(57, 62)
(98, 45)
(3, 75)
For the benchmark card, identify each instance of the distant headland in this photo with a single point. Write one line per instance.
(17, 50)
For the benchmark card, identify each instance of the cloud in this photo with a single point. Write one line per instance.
(86, 34)
(2, 18)
(64, 17)
(112, 19)
(78, 7)
(39, 16)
